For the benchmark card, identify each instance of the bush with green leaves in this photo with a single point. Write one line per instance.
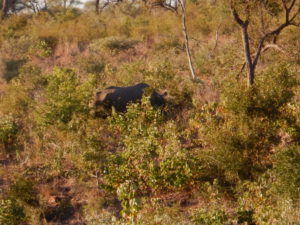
(65, 96)
(210, 217)
(112, 44)
(126, 193)
(150, 154)
(260, 203)
(11, 213)
(40, 48)
(138, 132)
(8, 132)
(267, 98)
(286, 173)
(24, 191)
(240, 132)
(13, 26)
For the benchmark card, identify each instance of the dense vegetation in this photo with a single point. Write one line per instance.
(220, 152)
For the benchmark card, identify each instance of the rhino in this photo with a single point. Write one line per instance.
(120, 97)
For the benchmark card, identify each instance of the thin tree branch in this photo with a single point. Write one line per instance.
(276, 31)
(186, 37)
(237, 77)
(237, 17)
(217, 38)
(267, 47)
(274, 46)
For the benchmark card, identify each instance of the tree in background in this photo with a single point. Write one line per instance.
(7, 5)
(173, 6)
(289, 9)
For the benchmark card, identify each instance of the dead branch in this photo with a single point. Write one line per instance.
(275, 46)
(217, 38)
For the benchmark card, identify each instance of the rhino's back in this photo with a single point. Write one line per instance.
(121, 96)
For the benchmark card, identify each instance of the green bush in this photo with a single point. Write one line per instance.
(210, 217)
(151, 155)
(11, 69)
(40, 48)
(65, 96)
(240, 132)
(278, 189)
(126, 193)
(16, 48)
(24, 191)
(13, 26)
(245, 216)
(62, 211)
(8, 132)
(286, 173)
(31, 79)
(260, 204)
(112, 44)
(67, 15)
(138, 130)
(11, 213)
(272, 91)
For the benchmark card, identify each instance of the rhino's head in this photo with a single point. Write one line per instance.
(158, 98)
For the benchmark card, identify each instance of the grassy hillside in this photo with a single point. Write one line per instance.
(219, 152)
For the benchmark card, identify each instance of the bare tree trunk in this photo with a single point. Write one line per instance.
(4, 7)
(216, 39)
(186, 37)
(252, 62)
(97, 6)
(247, 52)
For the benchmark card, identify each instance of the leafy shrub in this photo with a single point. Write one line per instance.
(146, 158)
(159, 73)
(156, 213)
(259, 205)
(278, 189)
(17, 48)
(241, 132)
(245, 216)
(273, 90)
(8, 132)
(95, 218)
(15, 101)
(65, 96)
(112, 44)
(24, 191)
(61, 212)
(67, 15)
(40, 48)
(11, 69)
(11, 213)
(91, 65)
(138, 132)
(13, 26)
(169, 43)
(31, 79)
(210, 217)
(126, 193)
(286, 173)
